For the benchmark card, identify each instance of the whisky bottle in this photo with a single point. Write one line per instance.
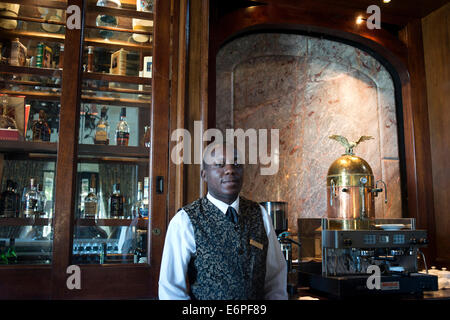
(116, 202)
(102, 129)
(8, 202)
(30, 200)
(40, 208)
(40, 128)
(91, 202)
(122, 130)
(140, 208)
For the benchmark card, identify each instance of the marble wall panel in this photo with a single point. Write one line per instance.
(309, 89)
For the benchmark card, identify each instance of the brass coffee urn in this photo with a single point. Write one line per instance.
(351, 188)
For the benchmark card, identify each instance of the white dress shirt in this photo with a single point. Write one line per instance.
(179, 247)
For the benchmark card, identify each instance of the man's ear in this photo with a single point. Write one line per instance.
(203, 174)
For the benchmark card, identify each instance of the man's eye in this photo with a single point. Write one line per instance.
(219, 165)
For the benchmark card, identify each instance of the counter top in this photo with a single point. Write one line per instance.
(305, 293)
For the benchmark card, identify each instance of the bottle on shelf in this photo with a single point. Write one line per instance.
(140, 208)
(8, 202)
(90, 65)
(146, 138)
(30, 200)
(11, 254)
(41, 130)
(145, 199)
(61, 56)
(40, 209)
(116, 203)
(102, 129)
(122, 130)
(91, 202)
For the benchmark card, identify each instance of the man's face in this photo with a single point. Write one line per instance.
(223, 174)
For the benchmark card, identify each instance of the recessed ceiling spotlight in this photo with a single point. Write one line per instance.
(359, 20)
(386, 1)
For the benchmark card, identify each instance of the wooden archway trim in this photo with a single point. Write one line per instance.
(404, 58)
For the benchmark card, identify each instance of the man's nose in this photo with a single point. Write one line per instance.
(229, 168)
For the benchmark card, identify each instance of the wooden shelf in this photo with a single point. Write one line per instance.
(25, 221)
(120, 12)
(5, 68)
(28, 147)
(95, 151)
(116, 78)
(86, 99)
(98, 150)
(141, 223)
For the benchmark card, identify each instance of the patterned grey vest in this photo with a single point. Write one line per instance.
(226, 266)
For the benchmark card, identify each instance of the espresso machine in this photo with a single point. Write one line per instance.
(353, 253)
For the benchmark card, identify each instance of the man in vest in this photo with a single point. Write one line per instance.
(222, 246)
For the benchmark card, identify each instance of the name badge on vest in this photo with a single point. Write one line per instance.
(256, 244)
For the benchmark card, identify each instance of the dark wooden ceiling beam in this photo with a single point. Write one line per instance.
(398, 12)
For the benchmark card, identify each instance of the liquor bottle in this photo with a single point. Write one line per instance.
(145, 214)
(40, 209)
(11, 255)
(17, 200)
(122, 130)
(40, 128)
(90, 65)
(8, 202)
(102, 129)
(116, 202)
(61, 56)
(140, 208)
(91, 202)
(30, 200)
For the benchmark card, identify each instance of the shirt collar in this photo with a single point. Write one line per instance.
(222, 206)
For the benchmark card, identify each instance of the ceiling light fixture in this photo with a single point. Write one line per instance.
(359, 20)
(386, 1)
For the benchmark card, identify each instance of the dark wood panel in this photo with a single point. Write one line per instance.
(25, 282)
(67, 159)
(114, 282)
(342, 27)
(397, 11)
(417, 138)
(436, 40)
(159, 136)
(197, 88)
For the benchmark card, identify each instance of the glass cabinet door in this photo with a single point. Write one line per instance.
(31, 61)
(112, 204)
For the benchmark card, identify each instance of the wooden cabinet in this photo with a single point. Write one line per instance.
(115, 65)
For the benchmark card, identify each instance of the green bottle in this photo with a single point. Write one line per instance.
(3, 259)
(11, 255)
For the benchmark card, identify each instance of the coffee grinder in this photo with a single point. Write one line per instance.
(278, 213)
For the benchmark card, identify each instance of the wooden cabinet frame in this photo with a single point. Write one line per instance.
(101, 281)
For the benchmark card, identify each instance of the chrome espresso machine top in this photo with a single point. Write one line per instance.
(351, 252)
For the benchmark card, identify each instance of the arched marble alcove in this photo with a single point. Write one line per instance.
(309, 88)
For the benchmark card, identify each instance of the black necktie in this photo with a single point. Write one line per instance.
(232, 214)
